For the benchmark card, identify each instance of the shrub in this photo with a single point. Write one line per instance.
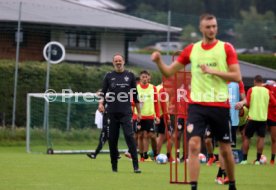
(262, 60)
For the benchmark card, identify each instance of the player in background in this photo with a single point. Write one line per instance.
(243, 118)
(134, 122)
(237, 100)
(258, 98)
(271, 119)
(149, 115)
(182, 105)
(164, 118)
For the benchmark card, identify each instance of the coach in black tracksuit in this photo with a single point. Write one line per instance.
(120, 84)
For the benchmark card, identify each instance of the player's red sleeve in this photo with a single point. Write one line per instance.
(163, 103)
(184, 57)
(241, 87)
(271, 88)
(132, 106)
(156, 105)
(272, 99)
(248, 97)
(231, 55)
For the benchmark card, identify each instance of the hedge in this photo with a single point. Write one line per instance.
(32, 76)
(262, 60)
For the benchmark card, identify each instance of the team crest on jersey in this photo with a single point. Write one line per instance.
(126, 78)
(190, 128)
(108, 121)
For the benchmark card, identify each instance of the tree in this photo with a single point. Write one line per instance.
(189, 34)
(256, 29)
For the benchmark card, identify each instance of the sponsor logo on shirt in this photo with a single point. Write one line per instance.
(126, 78)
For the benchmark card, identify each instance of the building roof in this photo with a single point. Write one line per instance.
(105, 4)
(251, 70)
(71, 13)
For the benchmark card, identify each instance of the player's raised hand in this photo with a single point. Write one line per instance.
(156, 56)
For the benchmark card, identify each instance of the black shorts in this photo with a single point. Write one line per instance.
(255, 126)
(180, 124)
(218, 118)
(208, 132)
(160, 128)
(242, 127)
(147, 125)
(271, 123)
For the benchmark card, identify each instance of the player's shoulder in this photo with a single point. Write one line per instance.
(130, 73)
(228, 45)
(108, 74)
(190, 46)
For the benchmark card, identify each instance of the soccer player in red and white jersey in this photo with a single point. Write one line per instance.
(271, 120)
(134, 122)
(149, 114)
(213, 63)
(164, 118)
(182, 105)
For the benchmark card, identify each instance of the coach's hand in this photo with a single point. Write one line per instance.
(101, 107)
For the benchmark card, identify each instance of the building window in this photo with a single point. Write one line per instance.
(81, 40)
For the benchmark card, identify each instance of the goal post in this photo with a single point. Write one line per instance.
(68, 126)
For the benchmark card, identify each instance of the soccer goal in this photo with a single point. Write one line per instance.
(61, 123)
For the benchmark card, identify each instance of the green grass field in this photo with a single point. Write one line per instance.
(22, 171)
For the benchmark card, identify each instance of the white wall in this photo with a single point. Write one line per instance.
(110, 44)
(81, 57)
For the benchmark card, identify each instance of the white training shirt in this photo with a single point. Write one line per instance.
(99, 119)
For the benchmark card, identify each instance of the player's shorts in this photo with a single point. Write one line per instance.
(218, 118)
(180, 124)
(255, 126)
(147, 125)
(160, 128)
(208, 132)
(242, 127)
(271, 123)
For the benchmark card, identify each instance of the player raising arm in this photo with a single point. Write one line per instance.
(213, 64)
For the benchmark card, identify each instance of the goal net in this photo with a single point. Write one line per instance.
(61, 123)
